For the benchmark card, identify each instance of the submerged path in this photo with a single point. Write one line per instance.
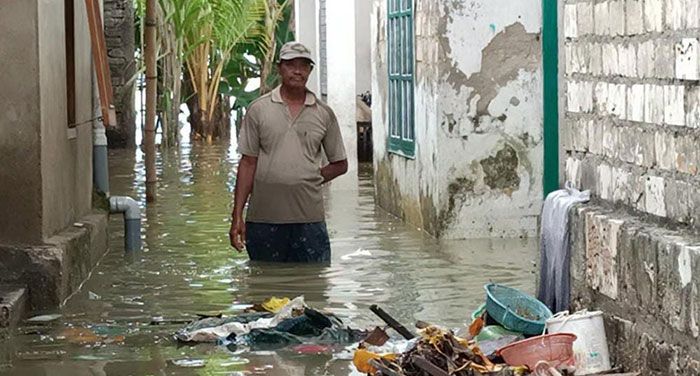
(187, 267)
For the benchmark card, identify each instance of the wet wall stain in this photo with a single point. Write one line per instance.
(450, 122)
(500, 171)
(418, 211)
(457, 192)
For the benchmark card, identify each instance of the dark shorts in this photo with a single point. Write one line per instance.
(294, 242)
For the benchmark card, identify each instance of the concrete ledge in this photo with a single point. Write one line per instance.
(13, 306)
(54, 270)
(638, 350)
(646, 278)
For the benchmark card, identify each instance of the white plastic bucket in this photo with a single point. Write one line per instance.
(591, 346)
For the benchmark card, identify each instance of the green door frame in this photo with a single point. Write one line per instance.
(550, 61)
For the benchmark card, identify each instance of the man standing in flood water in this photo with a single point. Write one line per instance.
(280, 168)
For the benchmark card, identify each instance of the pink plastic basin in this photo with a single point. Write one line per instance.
(557, 349)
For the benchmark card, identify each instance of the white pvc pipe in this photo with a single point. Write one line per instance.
(132, 220)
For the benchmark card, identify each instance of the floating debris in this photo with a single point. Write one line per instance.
(45, 318)
(293, 324)
(189, 363)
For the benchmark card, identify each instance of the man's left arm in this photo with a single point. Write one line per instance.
(335, 150)
(333, 170)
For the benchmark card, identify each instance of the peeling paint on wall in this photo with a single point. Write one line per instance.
(478, 89)
(509, 52)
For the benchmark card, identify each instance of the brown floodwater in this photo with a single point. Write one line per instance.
(187, 267)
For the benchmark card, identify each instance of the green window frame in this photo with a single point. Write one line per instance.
(401, 72)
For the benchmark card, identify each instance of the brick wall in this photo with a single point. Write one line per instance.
(633, 103)
(630, 134)
(119, 38)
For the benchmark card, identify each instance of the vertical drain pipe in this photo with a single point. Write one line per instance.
(117, 204)
(132, 220)
(100, 167)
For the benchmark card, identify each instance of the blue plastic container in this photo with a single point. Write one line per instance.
(515, 310)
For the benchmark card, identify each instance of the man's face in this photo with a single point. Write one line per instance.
(295, 72)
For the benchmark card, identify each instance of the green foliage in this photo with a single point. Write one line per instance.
(248, 57)
(223, 44)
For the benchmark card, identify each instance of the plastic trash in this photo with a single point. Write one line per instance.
(45, 318)
(274, 304)
(516, 310)
(591, 345)
(189, 363)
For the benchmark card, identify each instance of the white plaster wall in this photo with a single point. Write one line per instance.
(481, 32)
(362, 46)
(476, 22)
(306, 32)
(478, 90)
(341, 72)
(412, 180)
(378, 77)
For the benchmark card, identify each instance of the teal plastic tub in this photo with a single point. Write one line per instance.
(479, 311)
(516, 310)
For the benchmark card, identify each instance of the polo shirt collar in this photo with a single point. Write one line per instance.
(277, 96)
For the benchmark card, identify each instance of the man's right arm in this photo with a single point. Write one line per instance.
(244, 186)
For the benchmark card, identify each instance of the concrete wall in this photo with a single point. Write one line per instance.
(20, 190)
(119, 38)
(306, 31)
(47, 170)
(404, 186)
(341, 72)
(478, 120)
(66, 155)
(322, 47)
(630, 136)
(363, 64)
(646, 279)
(46, 179)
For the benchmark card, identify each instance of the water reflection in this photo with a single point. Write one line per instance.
(187, 267)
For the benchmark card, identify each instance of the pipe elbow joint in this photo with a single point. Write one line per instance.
(126, 205)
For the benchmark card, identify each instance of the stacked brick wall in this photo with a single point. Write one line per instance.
(633, 103)
(119, 38)
(631, 135)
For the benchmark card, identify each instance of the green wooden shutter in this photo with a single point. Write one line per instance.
(400, 64)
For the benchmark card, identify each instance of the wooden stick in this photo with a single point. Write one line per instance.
(382, 368)
(426, 366)
(151, 98)
(99, 57)
(405, 333)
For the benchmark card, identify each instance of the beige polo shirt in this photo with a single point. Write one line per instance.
(287, 186)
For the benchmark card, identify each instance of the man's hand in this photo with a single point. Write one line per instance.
(244, 185)
(237, 234)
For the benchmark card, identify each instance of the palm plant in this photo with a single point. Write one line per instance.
(274, 14)
(216, 46)
(210, 30)
(256, 57)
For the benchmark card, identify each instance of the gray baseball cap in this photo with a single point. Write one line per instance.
(293, 50)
